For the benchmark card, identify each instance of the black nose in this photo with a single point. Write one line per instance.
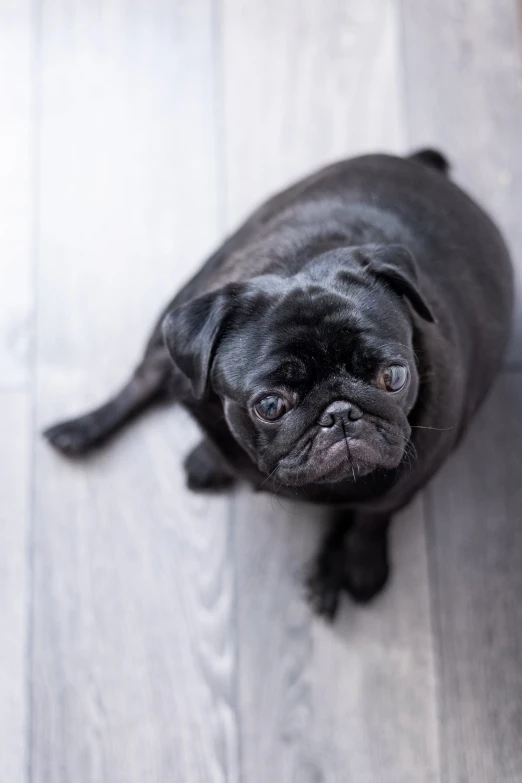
(340, 411)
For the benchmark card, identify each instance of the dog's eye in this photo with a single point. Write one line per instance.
(394, 378)
(271, 408)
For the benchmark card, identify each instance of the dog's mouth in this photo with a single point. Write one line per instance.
(347, 459)
(333, 465)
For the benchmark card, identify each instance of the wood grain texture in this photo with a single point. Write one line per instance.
(16, 189)
(133, 674)
(169, 638)
(305, 83)
(463, 78)
(356, 701)
(16, 285)
(476, 554)
(14, 583)
(378, 718)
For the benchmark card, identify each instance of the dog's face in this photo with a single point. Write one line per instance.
(316, 371)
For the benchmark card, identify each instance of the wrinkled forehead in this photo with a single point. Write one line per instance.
(306, 333)
(341, 302)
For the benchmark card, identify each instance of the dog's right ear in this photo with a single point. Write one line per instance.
(193, 331)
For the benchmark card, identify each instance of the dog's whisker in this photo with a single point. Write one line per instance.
(270, 475)
(437, 429)
(350, 461)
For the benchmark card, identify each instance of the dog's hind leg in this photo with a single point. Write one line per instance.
(149, 383)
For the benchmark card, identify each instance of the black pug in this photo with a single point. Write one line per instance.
(334, 349)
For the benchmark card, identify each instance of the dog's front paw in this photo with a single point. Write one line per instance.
(324, 593)
(203, 472)
(327, 580)
(366, 577)
(73, 438)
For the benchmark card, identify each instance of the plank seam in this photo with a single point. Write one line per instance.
(219, 109)
(36, 86)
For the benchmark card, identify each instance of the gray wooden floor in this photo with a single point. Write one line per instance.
(150, 635)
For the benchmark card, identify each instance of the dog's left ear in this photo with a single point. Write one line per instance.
(193, 331)
(396, 265)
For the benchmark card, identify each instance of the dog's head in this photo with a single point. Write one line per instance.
(316, 371)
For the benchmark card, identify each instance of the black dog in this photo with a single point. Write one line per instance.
(333, 349)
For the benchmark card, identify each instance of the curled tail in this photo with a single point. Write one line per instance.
(432, 158)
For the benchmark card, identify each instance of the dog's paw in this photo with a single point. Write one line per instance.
(325, 584)
(203, 473)
(366, 579)
(323, 594)
(73, 438)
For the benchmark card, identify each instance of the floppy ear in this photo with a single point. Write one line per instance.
(192, 333)
(396, 265)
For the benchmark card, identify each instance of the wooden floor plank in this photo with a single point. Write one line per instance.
(133, 673)
(468, 102)
(16, 193)
(16, 286)
(14, 583)
(476, 552)
(318, 84)
(379, 718)
(356, 702)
